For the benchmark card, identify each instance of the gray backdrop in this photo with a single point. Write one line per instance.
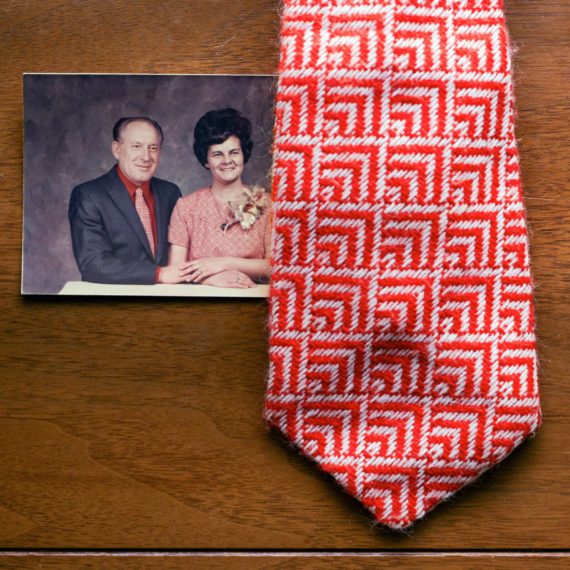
(68, 122)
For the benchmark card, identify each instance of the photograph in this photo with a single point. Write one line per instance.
(152, 185)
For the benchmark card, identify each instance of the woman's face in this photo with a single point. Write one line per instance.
(225, 161)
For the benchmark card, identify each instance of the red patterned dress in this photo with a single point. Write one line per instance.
(196, 224)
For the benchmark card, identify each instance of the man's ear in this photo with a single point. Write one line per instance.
(115, 148)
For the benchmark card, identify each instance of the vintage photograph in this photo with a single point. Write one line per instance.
(152, 185)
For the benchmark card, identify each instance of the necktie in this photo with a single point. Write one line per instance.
(144, 214)
(401, 332)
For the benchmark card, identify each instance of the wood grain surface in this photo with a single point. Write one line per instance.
(380, 562)
(136, 423)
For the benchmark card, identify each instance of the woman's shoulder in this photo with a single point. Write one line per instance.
(194, 199)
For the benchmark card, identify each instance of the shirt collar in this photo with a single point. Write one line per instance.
(131, 186)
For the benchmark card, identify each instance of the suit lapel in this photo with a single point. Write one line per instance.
(161, 219)
(122, 200)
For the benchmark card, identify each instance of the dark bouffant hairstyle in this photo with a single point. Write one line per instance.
(216, 127)
(124, 122)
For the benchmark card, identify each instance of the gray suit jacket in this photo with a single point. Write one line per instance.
(109, 241)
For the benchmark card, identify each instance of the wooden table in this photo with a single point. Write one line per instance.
(136, 423)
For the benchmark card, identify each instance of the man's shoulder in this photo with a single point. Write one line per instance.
(165, 186)
(95, 185)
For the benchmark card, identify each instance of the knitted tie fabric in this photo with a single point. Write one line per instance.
(402, 347)
(144, 215)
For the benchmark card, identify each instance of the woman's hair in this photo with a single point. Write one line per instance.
(216, 127)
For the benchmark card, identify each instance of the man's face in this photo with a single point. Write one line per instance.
(138, 151)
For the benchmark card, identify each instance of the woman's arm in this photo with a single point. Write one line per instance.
(254, 268)
(199, 269)
(172, 272)
(231, 279)
(177, 254)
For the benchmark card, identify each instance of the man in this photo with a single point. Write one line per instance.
(119, 221)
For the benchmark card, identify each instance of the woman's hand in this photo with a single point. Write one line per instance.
(230, 278)
(200, 269)
(169, 274)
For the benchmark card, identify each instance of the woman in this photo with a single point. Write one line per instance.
(221, 235)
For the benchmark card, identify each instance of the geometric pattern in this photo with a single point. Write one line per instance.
(144, 215)
(401, 331)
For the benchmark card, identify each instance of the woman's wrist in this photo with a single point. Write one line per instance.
(231, 263)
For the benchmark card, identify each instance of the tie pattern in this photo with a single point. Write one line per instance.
(402, 346)
(144, 214)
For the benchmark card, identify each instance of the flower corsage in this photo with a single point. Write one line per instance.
(249, 208)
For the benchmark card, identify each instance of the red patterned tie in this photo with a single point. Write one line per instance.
(144, 214)
(402, 339)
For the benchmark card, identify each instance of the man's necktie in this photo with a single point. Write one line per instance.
(402, 347)
(144, 214)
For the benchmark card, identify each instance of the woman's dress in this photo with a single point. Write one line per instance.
(197, 223)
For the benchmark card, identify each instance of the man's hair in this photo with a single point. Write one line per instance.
(124, 122)
(216, 127)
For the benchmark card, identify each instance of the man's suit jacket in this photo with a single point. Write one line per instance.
(109, 241)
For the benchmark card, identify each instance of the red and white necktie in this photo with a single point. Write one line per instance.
(144, 214)
(402, 346)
